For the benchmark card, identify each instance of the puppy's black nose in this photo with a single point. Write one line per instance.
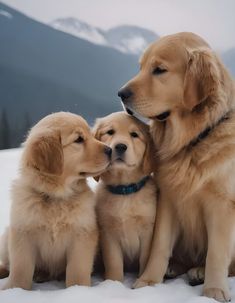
(108, 151)
(120, 148)
(125, 93)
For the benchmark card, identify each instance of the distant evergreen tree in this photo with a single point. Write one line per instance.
(4, 131)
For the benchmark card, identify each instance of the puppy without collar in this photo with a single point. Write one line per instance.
(53, 226)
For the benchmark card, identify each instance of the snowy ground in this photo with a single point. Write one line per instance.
(177, 291)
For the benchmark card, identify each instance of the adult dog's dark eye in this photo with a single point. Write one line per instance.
(159, 70)
(134, 135)
(79, 140)
(110, 132)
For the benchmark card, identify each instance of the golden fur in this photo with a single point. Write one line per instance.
(196, 210)
(126, 221)
(53, 226)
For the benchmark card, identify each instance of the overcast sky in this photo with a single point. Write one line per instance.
(212, 19)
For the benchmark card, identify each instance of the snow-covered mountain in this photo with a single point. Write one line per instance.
(126, 38)
(79, 29)
(130, 39)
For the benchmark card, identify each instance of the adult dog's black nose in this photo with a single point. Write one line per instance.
(108, 151)
(120, 148)
(125, 93)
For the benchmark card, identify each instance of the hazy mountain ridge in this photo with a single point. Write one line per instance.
(125, 38)
(79, 29)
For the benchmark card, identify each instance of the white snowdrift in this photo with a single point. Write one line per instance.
(175, 291)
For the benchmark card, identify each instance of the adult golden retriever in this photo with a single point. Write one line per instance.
(185, 90)
(126, 194)
(53, 226)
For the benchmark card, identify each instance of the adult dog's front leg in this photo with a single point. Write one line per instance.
(219, 254)
(165, 234)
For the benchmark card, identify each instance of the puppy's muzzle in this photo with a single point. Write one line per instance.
(120, 149)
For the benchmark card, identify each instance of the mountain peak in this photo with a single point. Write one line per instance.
(79, 29)
(125, 38)
(130, 38)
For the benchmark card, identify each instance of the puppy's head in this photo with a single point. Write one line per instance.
(61, 144)
(130, 141)
(177, 72)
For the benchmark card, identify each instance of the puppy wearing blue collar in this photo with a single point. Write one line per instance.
(126, 194)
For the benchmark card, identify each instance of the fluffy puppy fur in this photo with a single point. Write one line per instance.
(126, 221)
(185, 90)
(53, 226)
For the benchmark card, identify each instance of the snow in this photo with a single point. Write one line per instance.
(128, 42)
(79, 29)
(172, 291)
(134, 45)
(5, 14)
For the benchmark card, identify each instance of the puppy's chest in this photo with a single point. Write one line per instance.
(58, 217)
(125, 213)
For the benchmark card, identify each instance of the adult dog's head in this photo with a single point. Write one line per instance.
(61, 147)
(177, 73)
(130, 142)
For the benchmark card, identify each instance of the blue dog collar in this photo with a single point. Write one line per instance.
(127, 189)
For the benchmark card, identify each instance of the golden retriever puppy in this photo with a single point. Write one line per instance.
(53, 227)
(126, 195)
(185, 90)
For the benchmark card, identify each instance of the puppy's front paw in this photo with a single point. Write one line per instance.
(8, 285)
(4, 287)
(142, 283)
(218, 294)
(16, 284)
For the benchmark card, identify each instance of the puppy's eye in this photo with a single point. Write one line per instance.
(79, 140)
(134, 135)
(159, 70)
(110, 132)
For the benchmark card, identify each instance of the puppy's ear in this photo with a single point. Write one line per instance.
(201, 78)
(149, 162)
(96, 129)
(45, 153)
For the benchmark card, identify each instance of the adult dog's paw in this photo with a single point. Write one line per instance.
(218, 294)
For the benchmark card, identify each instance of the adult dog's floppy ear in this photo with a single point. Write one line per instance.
(149, 158)
(201, 78)
(45, 153)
